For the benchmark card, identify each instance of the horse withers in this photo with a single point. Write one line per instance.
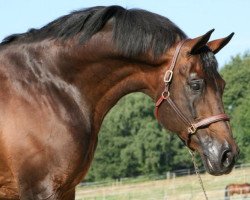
(59, 82)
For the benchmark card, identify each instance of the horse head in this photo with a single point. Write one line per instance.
(190, 102)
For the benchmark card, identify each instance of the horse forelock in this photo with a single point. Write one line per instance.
(209, 62)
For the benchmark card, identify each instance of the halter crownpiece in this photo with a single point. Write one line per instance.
(165, 96)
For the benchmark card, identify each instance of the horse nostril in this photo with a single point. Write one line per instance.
(227, 158)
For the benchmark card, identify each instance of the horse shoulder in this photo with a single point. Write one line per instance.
(47, 133)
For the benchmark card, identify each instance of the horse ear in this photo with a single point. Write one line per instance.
(199, 42)
(217, 45)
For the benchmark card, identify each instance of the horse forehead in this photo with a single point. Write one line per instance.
(193, 66)
(197, 68)
(203, 68)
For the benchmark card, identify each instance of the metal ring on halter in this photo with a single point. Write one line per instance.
(192, 129)
(168, 76)
(165, 94)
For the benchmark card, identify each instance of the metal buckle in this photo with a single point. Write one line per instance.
(168, 76)
(192, 129)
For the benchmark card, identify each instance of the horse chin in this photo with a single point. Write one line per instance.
(214, 168)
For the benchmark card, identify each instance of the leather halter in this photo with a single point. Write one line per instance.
(192, 126)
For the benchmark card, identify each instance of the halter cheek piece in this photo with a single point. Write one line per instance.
(165, 96)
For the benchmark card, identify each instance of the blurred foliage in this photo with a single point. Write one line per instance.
(237, 101)
(132, 143)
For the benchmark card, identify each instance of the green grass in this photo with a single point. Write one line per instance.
(185, 187)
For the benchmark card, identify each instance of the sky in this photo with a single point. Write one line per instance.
(194, 17)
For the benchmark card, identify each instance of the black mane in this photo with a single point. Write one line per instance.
(135, 31)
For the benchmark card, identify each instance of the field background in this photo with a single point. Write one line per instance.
(177, 187)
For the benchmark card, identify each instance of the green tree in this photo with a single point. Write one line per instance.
(237, 101)
(237, 77)
(241, 126)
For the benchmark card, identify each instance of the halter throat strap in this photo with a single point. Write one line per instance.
(192, 126)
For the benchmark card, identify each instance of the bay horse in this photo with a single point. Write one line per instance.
(232, 189)
(58, 83)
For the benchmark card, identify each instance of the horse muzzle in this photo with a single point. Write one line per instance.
(219, 158)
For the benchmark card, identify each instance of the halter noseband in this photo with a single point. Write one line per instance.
(191, 126)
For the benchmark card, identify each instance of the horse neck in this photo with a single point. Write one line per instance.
(103, 77)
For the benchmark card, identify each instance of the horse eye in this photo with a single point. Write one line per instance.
(196, 85)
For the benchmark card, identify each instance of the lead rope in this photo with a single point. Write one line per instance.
(198, 174)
